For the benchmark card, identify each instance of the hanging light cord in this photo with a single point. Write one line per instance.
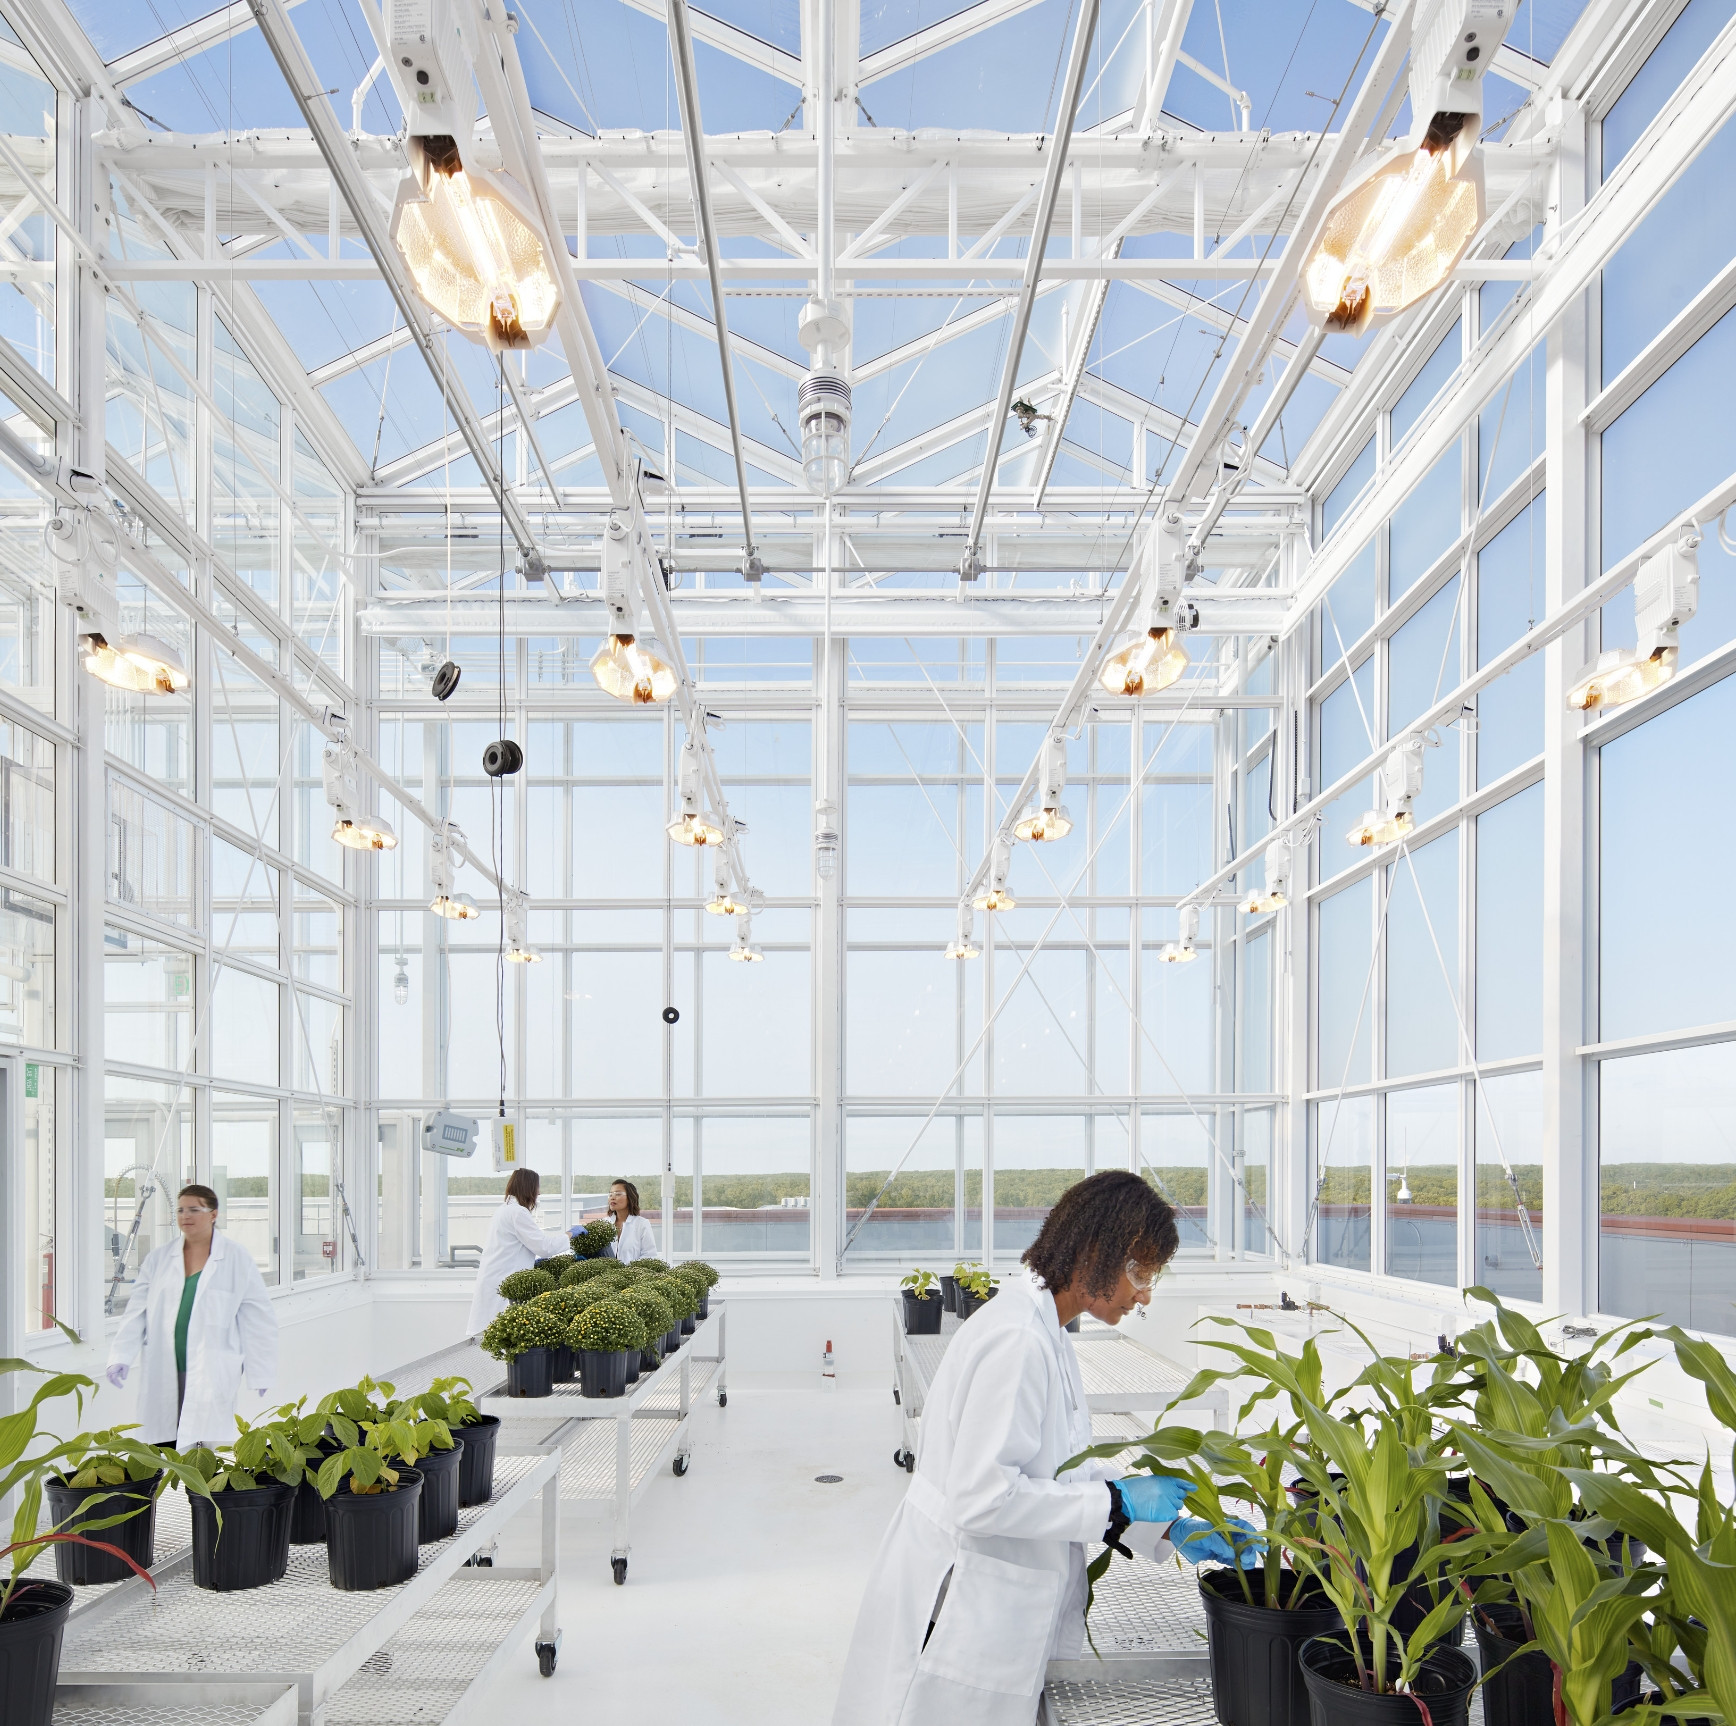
(497, 789)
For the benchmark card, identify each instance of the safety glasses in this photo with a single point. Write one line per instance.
(1141, 1278)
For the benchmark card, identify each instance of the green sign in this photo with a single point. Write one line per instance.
(30, 1072)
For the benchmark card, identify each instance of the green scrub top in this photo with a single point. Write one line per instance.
(188, 1290)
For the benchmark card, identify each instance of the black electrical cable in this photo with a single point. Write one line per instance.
(497, 785)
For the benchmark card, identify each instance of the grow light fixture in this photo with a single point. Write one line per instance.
(516, 909)
(687, 826)
(1398, 783)
(342, 780)
(1666, 594)
(994, 896)
(745, 952)
(83, 547)
(1152, 657)
(1046, 819)
(723, 902)
(443, 862)
(1398, 231)
(1273, 895)
(1181, 951)
(963, 944)
(630, 666)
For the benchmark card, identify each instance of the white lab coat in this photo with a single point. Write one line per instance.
(985, 1519)
(515, 1243)
(232, 1331)
(635, 1241)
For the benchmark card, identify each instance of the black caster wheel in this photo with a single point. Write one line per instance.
(619, 1566)
(910, 1462)
(546, 1654)
(898, 1457)
(897, 1398)
(723, 1399)
(680, 1466)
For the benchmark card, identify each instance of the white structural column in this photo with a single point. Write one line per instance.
(1569, 1154)
(826, 1205)
(79, 1273)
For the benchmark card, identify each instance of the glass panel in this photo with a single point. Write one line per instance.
(1511, 429)
(757, 1026)
(319, 1044)
(1256, 1014)
(1422, 665)
(1347, 722)
(606, 1150)
(41, 1233)
(153, 733)
(901, 1019)
(1668, 64)
(1042, 1035)
(1348, 489)
(756, 1176)
(1176, 1152)
(1427, 384)
(1509, 1110)
(1345, 1012)
(1510, 927)
(1036, 1159)
(319, 937)
(1425, 525)
(1671, 964)
(1667, 1240)
(318, 1223)
(1175, 1048)
(618, 1034)
(1347, 612)
(1510, 573)
(244, 748)
(26, 802)
(918, 1214)
(147, 1001)
(27, 112)
(26, 969)
(1422, 1184)
(243, 904)
(245, 525)
(1344, 1165)
(1422, 960)
(243, 1155)
(243, 1026)
(1258, 1126)
(150, 856)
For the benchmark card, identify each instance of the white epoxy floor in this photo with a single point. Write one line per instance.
(745, 1575)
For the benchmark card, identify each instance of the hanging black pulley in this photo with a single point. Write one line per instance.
(446, 680)
(671, 1014)
(502, 758)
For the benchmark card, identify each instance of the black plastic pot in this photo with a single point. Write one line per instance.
(251, 1548)
(689, 1326)
(528, 1374)
(476, 1471)
(85, 1566)
(671, 1342)
(30, 1632)
(1522, 1690)
(649, 1361)
(562, 1368)
(922, 1313)
(633, 1366)
(704, 1305)
(371, 1537)
(1444, 1684)
(949, 1293)
(441, 1471)
(1255, 1678)
(307, 1524)
(968, 1302)
(603, 1374)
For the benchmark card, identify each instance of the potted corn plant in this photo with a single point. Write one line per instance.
(241, 1525)
(525, 1337)
(373, 1493)
(923, 1304)
(521, 1286)
(603, 1336)
(449, 1401)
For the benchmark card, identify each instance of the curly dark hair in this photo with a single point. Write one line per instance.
(1096, 1227)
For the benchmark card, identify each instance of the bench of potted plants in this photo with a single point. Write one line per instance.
(449, 1401)
(923, 1304)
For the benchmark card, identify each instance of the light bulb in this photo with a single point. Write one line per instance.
(1040, 825)
(1621, 675)
(523, 956)
(140, 664)
(963, 946)
(995, 898)
(455, 907)
(1144, 663)
(744, 952)
(1264, 899)
(723, 903)
(1377, 829)
(401, 983)
(691, 828)
(365, 833)
(1178, 953)
(632, 671)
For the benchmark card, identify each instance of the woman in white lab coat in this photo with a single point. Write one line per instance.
(980, 1579)
(515, 1243)
(200, 1316)
(633, 1236)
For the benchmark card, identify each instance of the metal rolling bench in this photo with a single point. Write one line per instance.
(1121, 1376)
(132, 1657)
(650, 1421)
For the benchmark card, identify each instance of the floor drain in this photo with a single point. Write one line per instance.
(828, 1479)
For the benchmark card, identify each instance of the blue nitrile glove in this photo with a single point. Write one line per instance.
(1197, 1541)
(1152, 1497)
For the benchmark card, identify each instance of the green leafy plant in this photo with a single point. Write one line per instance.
(703, 1269)
(678, 1294)
(566, 1303)
(262, 1452)
(366, 1399)
(592, 1241)
(654, 1310)
(919, 1283)
(370, 1453)
(556, 1265)
(519, 1328)
(639, 1272)
(585, 1270)
(525, 1285)
(694, 1280)
(656, 1266)
(978, 1281)
(109, 1458)
(446, 1399)
(961, 1270)
(608, 1327)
